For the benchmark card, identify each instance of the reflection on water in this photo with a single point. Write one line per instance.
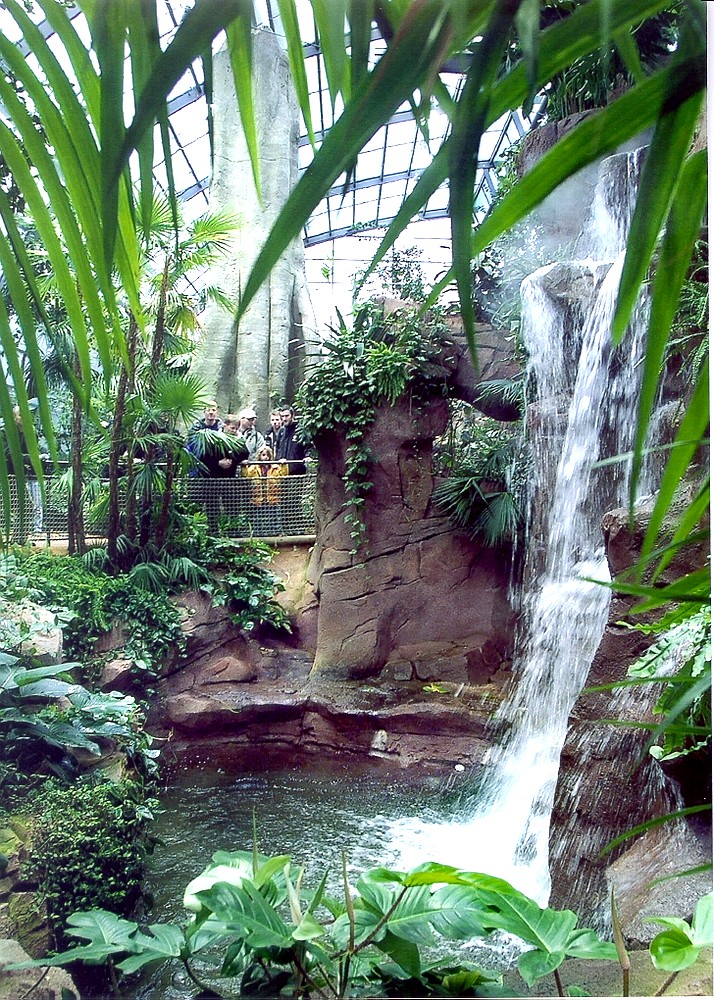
(311, 810)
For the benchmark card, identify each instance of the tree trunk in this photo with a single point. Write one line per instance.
(118, 438)
(76, 542)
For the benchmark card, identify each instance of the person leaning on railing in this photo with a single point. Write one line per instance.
(266, 492)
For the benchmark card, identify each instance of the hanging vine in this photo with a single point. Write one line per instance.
(377, 361)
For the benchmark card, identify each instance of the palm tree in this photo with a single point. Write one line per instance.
(155, 393)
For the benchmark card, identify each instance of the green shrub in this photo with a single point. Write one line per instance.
(88, 848)
(96, 601)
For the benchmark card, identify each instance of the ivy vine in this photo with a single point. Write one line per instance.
(376, 361)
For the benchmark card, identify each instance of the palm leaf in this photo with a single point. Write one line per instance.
(240, 49)
(687, 442)
(470, 121)
(683, 226)
(199, 27)
(330, 22)
(291, 27)
(108, 20)
(144, 47)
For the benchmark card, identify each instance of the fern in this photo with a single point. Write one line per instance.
(681, 659)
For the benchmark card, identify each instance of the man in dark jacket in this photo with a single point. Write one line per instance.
(207, 451)
(290, 447)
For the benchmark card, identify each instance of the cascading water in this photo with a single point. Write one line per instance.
(584, 411)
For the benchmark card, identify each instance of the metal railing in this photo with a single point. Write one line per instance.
(235, 508)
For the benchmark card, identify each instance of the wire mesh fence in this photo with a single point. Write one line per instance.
(262, 507)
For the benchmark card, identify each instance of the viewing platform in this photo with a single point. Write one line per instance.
(276, 509)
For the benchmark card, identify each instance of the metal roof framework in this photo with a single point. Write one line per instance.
(386, 171)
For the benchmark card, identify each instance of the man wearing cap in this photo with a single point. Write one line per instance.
(253, 438)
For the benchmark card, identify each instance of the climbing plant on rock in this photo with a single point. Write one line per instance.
(379, 359)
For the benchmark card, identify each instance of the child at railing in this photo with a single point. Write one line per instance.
(266, 476)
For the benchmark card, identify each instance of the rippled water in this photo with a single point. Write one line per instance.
(311, 809)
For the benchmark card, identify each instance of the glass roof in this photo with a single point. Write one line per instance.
(385, 173)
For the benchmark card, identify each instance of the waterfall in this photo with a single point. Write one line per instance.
(583, 410)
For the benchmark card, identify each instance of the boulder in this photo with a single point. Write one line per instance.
(38, 983)
(416, 583)
(44, 641)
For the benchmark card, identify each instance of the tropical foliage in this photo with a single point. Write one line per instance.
(98, 828)
(375, 361)
(47, 719)
(253, 921)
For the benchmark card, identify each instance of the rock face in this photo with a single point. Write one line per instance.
(40, 984)
(260, 362)
(609, 784)
(417, 596)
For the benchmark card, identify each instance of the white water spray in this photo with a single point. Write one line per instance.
(584, 411)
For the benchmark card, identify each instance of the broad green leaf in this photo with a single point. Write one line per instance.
(404, 953)
(458, 912)
(546, 929)
(387, 875)
(410, 918)
(164, 941)
(703, 922)
(366, 922)
(101, 927)
(29, 675)
(245, 909)
(673, 950)
(46, 689)
(431, 873)
(584, 943)
(533, 965)
(377, 896)
(207, 879)
(308, 929)
(268, 869)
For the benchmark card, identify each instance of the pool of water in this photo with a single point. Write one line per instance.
(308, 808)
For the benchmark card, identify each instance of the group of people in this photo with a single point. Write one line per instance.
(281, 444)
(242, 450)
